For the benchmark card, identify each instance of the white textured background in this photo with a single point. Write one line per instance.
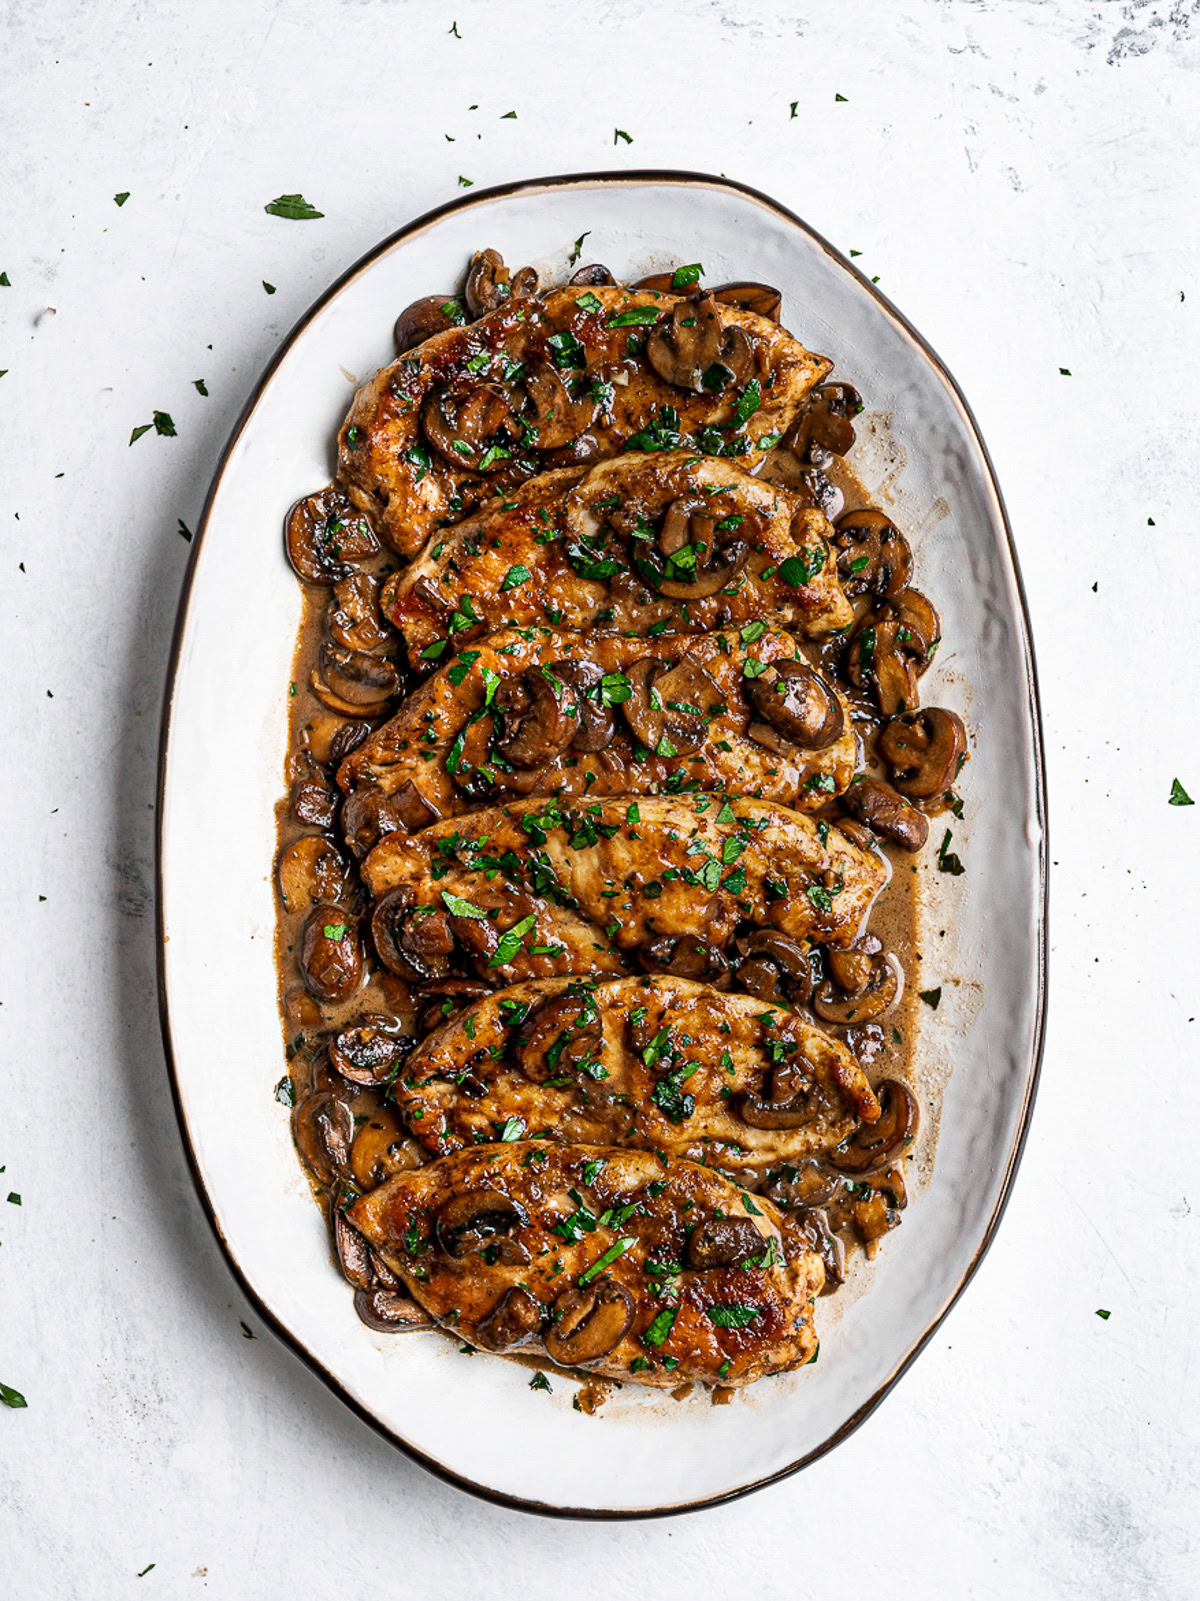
(1021, 174)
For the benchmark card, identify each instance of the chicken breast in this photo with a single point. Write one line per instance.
(534, 711)
(627, 1263)
(586, 550)
(543, 889)
(657, 1063)
(555, 379)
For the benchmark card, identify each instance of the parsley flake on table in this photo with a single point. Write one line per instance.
(12, 1397)
(842, 98)
(183, 530)
(4, 283)
(138, 432)
(294, 207)
(795, 103)
(453, 28)
(164, 425)
(465, 183)
(1102, 1311)
(13, 1198)
(619, 133)
(1065, 372)
(539, 1381)
(121, 198)
(270, 288)
(199, 385)
(577, 249)
(932, 998)
(1179, 796)
(947, 861)
(247, 1331)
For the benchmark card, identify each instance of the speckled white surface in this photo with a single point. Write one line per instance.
(1021, 177)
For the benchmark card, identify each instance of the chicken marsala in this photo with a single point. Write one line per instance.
(546, 381)
(645, 544)
(609, 772)
(660, 1063)
(534, 711)
(547, 888)
(626, 1263)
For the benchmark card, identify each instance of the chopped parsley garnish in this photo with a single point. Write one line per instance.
(1179, 795)
(636, 316)
(657, 1333)
(12, 1397)
(515, 577)
(334, 931)
(294, 207)
(539, 1381)
(932, 998)
(683, 276)
(457, 907)
(610, 1256)
(797, 571)
(737, 1316)
(947, 861)
(510, 941)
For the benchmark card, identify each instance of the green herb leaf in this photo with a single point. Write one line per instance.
(683, 276)
(270, 288)
(578, 248)
(294, 207)
(513, 1128)
(285, 1091)
(947, 861)
(797, 571)
(12, 1397)
(13, 1198)
(122, 197)
(334, 931)
(589, 302)
(610, 1256)
(515, 577)
(619, 133)
(737, 1316)
(457, 907)
(932, 998)
(163, 424)
(539, 1381)
(657, 1333)
(1179, 795)
(749, 401)
(200, 386)
(636, 316)
(510, 941)
(138, 432)
(1103, 1311)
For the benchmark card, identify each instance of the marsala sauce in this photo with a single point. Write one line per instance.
(894, 920)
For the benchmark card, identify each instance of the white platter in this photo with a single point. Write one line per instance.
(475, 1420)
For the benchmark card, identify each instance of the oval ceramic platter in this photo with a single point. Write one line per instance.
(476, 1420)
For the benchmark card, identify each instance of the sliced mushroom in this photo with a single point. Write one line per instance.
(369, 1051)
(430, 315)
(692, 349)
(803, 1186)
(558, 1037)
(589, 1322)
(354, 619)
(881, 657)
(411, 807)
(870, 979)
(325, 535)
(441, 1001)
(797, 702)
(594, 276)
(367, 815)
(723, 1242)
(490, 284)
(329, 739)
(920, 630)
(761, 299)
(820, 1237)
(313, 802)
(874, 558)
(595, 724)
(557, 416)
(354, 680)
(476, 430)
(668, 708)
(323, 1127)
(759, 1112)
(416, 942)
(924, 750)
(390, 1311)
(785, 955)
(481, 1220)
(382, 1147)
(353, 1252)
(823, 428)
(873, 1146)
(886, 811)
(685, 957)
(513, 1321)
(330, 957)
(690, 562)
(540, 717)
(311, 871)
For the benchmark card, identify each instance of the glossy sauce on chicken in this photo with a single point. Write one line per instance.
(636, 877)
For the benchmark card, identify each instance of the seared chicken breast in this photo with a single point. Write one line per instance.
(630, 1264)
(535, 711)
(658, 1063)
(548, 888)
(648, 543)
(547, 381)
